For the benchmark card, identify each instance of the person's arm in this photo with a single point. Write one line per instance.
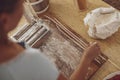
(80, 72)
(89, 55)
(62, 77)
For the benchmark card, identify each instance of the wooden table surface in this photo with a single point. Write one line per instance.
(67, 11)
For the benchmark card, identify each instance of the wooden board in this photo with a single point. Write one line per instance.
(113, 3)
(64, 47)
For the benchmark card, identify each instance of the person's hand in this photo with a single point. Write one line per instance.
(92, 51)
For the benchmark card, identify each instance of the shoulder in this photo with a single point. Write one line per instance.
(41, 64)
(37, 57)
(33, 64)
(34, 53)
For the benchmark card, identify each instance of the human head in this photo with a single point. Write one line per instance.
(10, 14)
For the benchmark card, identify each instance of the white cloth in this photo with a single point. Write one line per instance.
(102, 22)
(29, 65)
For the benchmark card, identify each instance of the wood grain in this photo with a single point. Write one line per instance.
(113, 3)
(67, 11)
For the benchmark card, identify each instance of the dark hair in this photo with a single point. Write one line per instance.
(7, 6)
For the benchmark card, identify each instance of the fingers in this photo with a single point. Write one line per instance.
(93, 49)
(94, 45)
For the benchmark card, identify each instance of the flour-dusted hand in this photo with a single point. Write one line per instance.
(89, 55)
(92, 51)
